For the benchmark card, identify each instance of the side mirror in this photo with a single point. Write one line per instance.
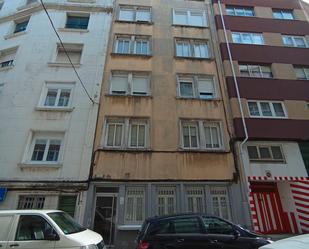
(236, 234)
(52, 236)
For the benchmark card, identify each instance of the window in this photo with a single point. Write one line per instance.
(258, 71)
(75, 21)
(186, 225)
(212, 135)
(21, 25)
(137, 129)
(134, 14)
(137, 45)
(239, 11)
(31, 202)
(294, 41)
(283, 14)
(265, 153)
(31, 2)
(200, 87)
(74, 51)
(195, 199)
(7, 57)
(166, 200)
(220, 202)
(201, 134)
(127, 83)
(248, 38)
(216, 226)
(135, 205)
(189, 18)
(1, 87)
(266, 109)
(192, 49)
(45, 148)
(67, 203)
(302, 73)
(190, 135)
(57, 95)
(1, 4)
(32, 227)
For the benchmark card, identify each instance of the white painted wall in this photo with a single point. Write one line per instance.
(294, 165)
(23, 85)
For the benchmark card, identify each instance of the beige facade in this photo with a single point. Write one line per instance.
(165, 157)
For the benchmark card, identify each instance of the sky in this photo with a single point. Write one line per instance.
(307, 1)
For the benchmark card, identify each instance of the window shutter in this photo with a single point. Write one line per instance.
(206, 88)
(67, 204)
(140, 85)
(119, 84)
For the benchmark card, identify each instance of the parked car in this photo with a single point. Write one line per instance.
(296, 242)
(196, 231)
(45, 229)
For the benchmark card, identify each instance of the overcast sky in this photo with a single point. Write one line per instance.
(307, 1)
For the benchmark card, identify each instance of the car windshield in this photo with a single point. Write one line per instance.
(66, 223)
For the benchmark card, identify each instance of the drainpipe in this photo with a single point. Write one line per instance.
(244, 189)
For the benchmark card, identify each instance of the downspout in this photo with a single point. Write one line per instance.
(244, 194)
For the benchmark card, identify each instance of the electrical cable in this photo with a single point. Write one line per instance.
(66, 53)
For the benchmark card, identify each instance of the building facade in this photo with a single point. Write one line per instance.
(163, 135)
(264, 49)
(47, 120)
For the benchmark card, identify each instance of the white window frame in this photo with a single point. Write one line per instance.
(195, 192)
(201, 136)
(193, 124)
(239, 8)
(77, 14)
(293, 37)
(251, 35)
(48, 136)
(194, 80)
(59, 86)
(146, 134)
(165, 198)
(305, 71)
(273, 113)
(4, 62)
(271, 159)
(191, 47)
(130, 82)
(21, 20)
(135, 10)
(281, 12)
(188, 16)
(261, 73)
(135, 206)
(215, 125)
(38, 201)
(219, 192)
(126, 132)
(132, 44)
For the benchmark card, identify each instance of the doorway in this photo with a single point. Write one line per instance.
(105, 217)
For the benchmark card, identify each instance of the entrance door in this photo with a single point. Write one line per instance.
(105, 217)
(269, 211)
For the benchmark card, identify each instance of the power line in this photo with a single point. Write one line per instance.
(66, 53)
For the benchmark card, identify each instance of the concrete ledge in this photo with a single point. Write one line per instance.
(54, 109)
(73, 30)
(40, 165)
(15, 35)
(56, 64)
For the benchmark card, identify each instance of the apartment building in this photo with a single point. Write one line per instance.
(162, 143)
(265, 53)
(47, 120)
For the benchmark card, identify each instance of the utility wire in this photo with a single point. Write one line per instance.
(66, 53)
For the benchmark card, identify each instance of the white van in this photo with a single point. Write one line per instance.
(45, 229)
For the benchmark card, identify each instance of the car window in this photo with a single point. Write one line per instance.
(186, 225)
(161, 227)
(32, 227)
(217, 226)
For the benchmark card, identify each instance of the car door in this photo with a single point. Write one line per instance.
(6, 223)
(31, 232)
(224, 234)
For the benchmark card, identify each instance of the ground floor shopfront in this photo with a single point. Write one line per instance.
(279, 205)
(117, 210)
(68, 196)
